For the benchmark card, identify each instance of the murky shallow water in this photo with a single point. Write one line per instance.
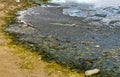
(58, 11)
(74, 33)
(74, 6)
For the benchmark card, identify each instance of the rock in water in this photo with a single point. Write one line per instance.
(92, 72)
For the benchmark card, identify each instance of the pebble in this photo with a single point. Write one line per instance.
(17, 0)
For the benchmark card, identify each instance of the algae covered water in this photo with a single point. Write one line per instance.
(75, 34)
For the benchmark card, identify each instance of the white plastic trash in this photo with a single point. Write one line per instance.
(92, 72)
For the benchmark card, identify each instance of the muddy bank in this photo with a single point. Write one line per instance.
(86, 40)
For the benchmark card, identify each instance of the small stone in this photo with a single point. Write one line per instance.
(17, 0)
(92, 72)
(59, 71)
(23, 22)
(39, 58)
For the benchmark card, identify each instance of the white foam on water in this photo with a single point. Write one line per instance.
(107, 3)
(97, 3)
(82, 1)
(75, 1)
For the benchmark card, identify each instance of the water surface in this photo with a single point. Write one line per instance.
(98, 3)
(80, 34)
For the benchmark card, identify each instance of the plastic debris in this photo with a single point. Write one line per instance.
(92, 72)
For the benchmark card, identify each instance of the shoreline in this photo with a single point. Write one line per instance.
(24, 61)
(88, 45)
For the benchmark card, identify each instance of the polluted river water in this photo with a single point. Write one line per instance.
(98, 3)
(79, 34)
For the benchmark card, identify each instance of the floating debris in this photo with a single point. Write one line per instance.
(97, 46)
(25, 24)
(61, 24)
(74, 25)
(87, 43)
(92, 72)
